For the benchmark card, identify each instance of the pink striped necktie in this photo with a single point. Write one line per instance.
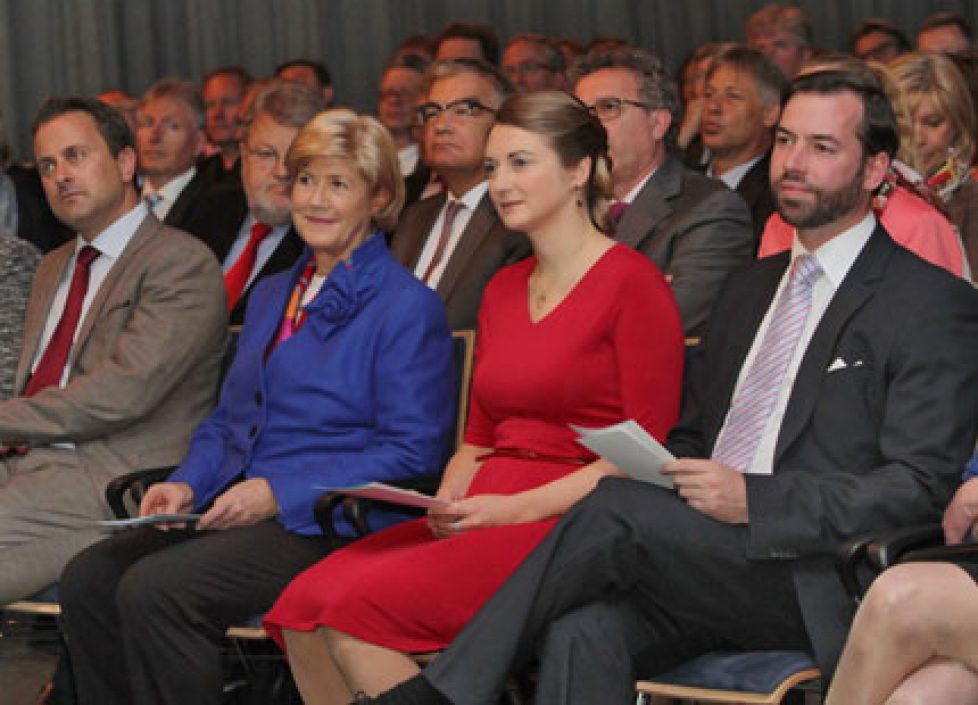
(754, 401)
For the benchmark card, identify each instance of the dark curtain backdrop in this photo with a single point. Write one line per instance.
(50, 47)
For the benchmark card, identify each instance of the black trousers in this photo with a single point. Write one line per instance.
(145, 611)
(630, 582)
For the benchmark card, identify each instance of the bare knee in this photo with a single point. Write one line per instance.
(903, 600)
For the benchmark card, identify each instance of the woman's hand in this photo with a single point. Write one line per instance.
(478, 512)
(167, 498)
(242, 504)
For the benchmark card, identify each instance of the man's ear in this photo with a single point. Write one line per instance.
(770, 114)
(875, 171)
(660, 119)
(126, 160)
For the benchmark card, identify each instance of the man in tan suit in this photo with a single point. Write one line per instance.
(122, 343)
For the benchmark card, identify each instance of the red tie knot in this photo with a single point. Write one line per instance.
(87, 255)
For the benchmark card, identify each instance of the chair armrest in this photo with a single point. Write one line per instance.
(356, 509)
(889, 548)
(134, 483)
(850, 561)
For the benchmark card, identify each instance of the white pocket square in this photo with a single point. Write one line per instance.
(840, 364)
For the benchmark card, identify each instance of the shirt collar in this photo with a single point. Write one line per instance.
(471, 198)
(172, 188)
(113, 240)
(633, 194)
(733, 176)
(838, 254)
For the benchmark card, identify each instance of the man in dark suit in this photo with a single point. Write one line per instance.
(169, 139)
(741, 106)
(251, 233)
(838, 395)
(455, 241)
(694, 229)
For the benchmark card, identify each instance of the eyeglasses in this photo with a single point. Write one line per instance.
(462, 108)
(610, 108)
(524, 68)
(266, 156)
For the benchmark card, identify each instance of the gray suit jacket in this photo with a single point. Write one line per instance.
(144, 367)
(485, 247)
(695, 230)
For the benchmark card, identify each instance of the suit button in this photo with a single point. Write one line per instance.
(252, 432)
(259, 398)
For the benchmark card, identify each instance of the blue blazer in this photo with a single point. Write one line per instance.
(364, 391)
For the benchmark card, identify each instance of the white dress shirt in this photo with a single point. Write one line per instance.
(168, 193)
(407, 158)
(733, 176)
(469, 201)
(835, 258)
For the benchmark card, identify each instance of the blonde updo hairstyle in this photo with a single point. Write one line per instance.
(574, 134)
(361, 140)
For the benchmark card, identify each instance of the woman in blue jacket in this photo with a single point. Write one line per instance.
(343, 375)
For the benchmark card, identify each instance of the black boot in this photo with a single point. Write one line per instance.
(414, 691)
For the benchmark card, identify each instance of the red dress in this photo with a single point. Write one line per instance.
(611, 350)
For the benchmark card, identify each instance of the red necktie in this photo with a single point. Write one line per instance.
(446, 232)
(52, 364)
(240, 272)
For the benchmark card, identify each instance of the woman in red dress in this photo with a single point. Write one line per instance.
(586, 332)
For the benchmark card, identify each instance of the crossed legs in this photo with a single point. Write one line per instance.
(914, 640)
(636, 550)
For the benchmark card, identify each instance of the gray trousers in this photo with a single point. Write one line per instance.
(630, 582)
(48, 501)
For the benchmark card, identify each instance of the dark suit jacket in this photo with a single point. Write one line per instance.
(212, 170)
(485, 247)
(192, 205)
(878, 443)
(415, 182)
(218, 226)
(755, 189)
(694, 229)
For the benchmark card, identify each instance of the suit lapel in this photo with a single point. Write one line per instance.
(857, 287)
(178, 210)
(149, 228)
(755, 181)
(483, 220)
(412, 231)
(650, 207)
(42, 295)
